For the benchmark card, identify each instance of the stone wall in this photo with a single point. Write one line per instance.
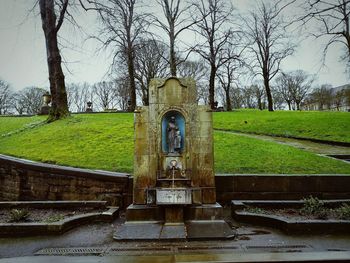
(25, 180)
(281, 187)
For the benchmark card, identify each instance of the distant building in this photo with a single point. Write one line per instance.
(328, 98)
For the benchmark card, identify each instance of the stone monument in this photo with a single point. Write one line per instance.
(174, 185)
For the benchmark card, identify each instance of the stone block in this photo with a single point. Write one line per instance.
(205, 130)
(203, 212)
(141, 165)
(136, 212)
(208, 195)
(141, 147)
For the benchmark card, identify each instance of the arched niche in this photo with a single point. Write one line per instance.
(180, 123)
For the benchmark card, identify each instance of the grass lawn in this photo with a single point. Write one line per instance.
(105, 141)
(241, 154)
(15, 124)
(98, 141)
(330, 126)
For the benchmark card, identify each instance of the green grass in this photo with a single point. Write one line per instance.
(330, 126)
(240, 154)
(15, 124)
(105, 141)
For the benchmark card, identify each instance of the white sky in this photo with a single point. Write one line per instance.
(23, 54)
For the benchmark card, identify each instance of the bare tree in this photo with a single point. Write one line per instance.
(347, 95)
(176, 22)
(122, 28)
(278, 100)
(282, 88)
(70, 94)
(259, 93)
(105, 94)
(213, 24)
(269, 42)
(31, 100)
(333, 18)
(299, 83)
(226, 78)
(237, 98)
(5, 97)
(197, 70)
(18, 103)
(51, 26)
(150, 62)
(248, 97)
(122, 93)
(322, 96)
(338, 99)
(80, 94)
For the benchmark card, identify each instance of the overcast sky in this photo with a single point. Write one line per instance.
(23, 54)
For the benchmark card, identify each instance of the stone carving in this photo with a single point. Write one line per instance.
(174, 136)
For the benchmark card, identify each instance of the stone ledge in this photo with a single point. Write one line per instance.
(56, 228)
(59, 169)
(53, 204)
(285, 224)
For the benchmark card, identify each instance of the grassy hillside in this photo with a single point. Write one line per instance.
(16, 124)
(331, 126)
(105, 141)
(240, 154)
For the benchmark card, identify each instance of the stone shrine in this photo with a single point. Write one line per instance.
(174, 185)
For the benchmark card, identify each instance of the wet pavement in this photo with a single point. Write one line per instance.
(94, 243)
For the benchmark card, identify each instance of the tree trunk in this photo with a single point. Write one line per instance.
(228, 100)
(259, 103)
(59, 105)
(132, 84)
(212, 87)
(268, 92)
(289, 106)
(172, 59)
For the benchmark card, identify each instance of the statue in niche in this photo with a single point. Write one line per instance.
(173, 136)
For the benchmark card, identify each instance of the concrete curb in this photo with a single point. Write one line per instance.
(56, 228)
(289, 225)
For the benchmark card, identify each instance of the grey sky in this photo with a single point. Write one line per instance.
(23, 55)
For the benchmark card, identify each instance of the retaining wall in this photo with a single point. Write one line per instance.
(281, 187)
(26, 180)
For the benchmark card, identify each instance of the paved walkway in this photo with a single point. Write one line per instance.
(319, 148)
(94, 243)
(228, 257)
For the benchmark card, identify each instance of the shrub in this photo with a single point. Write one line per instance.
(18, 215)
(343, 212)
(315, 207)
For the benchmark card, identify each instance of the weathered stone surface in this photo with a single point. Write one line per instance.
(172, 116)
(27, 180)
(172, 97)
